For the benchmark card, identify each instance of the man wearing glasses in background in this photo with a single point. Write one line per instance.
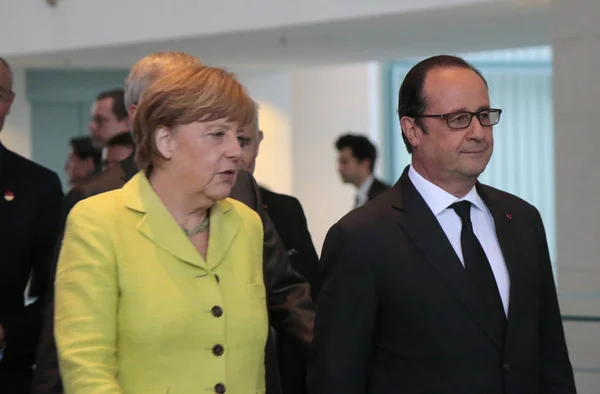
(108, 117)
(442, 284)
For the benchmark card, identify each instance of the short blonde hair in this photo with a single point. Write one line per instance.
(150, 67)
(183, 96)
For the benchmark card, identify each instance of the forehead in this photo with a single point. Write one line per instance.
(450, 89)
(221, 123)
(103, 106)
(346, 153)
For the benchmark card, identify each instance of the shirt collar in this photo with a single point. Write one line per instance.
(363, 190)
(437, 199)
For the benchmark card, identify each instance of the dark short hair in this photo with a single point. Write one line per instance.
(83, 148)
(411, 100)
(118, 102)
(360, 146)
(121, 139)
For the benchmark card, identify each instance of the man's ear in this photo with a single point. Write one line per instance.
(11, 98)
(131, 112)
(89, 164)
(411, 130)
(260, 136)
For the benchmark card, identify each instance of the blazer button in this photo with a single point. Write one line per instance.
(217, 311)
(220, 388)
(506, 367)
(218, 350)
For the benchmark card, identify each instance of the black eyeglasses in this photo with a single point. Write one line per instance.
(462, 119)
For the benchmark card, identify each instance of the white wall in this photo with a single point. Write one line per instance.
(327, 102)
(16, 134)
(302, 112)
(576, 49)
(274, 167)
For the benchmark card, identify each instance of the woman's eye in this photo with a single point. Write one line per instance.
(244, 141)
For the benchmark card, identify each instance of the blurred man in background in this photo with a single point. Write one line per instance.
(83, 161)
(356, 161)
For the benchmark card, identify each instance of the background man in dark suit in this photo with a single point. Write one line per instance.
(291, 310)
(288, 217)
(30, 197)
(285, 211)
(442, 284)
(356, 161)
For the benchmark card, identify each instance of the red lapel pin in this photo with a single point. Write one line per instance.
(9, 196)
(508, 215)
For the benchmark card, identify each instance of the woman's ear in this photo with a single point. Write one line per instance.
(163, 140)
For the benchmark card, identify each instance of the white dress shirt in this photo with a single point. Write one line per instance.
(362, 193)
(439, 202)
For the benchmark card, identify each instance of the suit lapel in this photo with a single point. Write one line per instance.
(422, 227)
(4, 185)
(505, 232)
(157, 224)
(8, 182)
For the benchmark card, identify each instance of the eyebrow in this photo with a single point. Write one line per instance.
(220, 125)
(464, 109)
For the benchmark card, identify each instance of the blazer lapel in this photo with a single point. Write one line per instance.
(422, 227)
(8, 182)
(224, 226)
(157, 224)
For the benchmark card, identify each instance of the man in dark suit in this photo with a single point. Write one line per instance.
(30, 197)
(286, 213)
(288, 217)
(442, 284)
(291, 310)
(356, 161)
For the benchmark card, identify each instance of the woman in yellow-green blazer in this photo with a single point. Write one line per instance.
(159, 287)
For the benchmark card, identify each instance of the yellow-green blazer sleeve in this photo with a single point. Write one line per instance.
(86, 305)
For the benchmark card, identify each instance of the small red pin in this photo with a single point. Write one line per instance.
(9, 196)
(508, 215)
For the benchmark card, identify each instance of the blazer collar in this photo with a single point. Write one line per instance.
(159, 226)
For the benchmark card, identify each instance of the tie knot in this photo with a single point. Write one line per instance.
(463, 210)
